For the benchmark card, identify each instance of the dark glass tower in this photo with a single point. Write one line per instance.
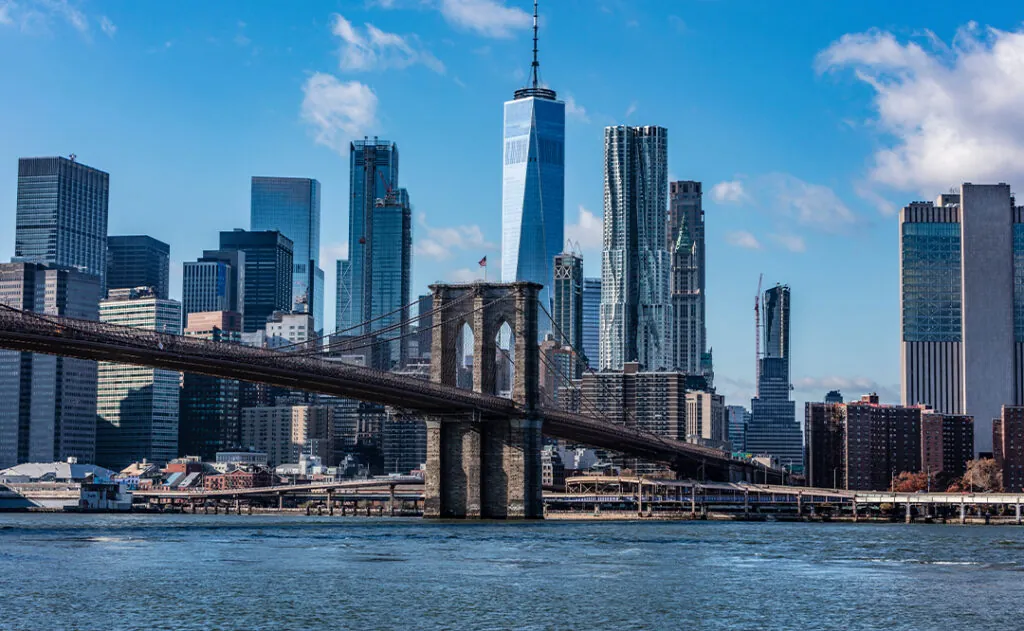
(773, 429)
(373, 171)
(291, 205)
(268, 274)
(48, 410)
(567, 305)
(62, 215)
(138, 261)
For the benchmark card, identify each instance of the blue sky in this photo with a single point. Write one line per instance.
(809, 123)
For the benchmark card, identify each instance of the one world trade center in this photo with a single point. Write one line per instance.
(533, 184)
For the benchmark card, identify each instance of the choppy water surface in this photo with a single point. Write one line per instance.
(280, 572)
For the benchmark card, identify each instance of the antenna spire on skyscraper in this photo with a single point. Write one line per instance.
(534, 89)
(536, 64)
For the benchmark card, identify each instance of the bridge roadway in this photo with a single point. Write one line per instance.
(54, 335)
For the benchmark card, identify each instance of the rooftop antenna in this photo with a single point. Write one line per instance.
(536, 64)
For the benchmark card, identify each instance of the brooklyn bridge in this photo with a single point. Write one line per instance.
(483, 450)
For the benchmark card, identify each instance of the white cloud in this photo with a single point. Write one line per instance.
(107, 26)
(743, 239)
(631, 109)
(374, 49)
(337, 110)
(588, 231)
(729, 192)
(441, 243)
(333, 252)
(853, 387)
(792, 242)
(38, 15)
(869, 194)
(949, 114)
(575, 110)
(70, 14)
(677, 23)
(811, 205)
(490, 18)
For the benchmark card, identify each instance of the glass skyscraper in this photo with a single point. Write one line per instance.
(567, 303)
(962, 305)
(592, 321)
(374, 283)
(48, 410)
(373, 171)
(636, 310)
(139, 261)
(268, 274)
(214, 282)
(391, 256)
(533, 185)
(291, 205)
(62, 215)
(137, 406)
(773, 429)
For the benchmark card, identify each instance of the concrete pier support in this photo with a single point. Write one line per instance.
(908, 517)
(330, 502)
(963, 512)
(856, 517)
(280, 501)
(1018, 513)
(391, 500)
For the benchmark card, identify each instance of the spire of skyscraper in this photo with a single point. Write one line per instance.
(536, 64)
(534, 88)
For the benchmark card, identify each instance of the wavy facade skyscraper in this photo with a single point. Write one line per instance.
(636, 309)
(533, 183)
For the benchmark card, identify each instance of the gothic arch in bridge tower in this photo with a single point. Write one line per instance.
(479, 466)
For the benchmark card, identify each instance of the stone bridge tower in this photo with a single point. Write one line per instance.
(480, 467)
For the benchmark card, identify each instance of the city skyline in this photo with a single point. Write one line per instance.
(843, 233)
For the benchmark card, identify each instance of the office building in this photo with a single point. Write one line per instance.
(285, 432)
(567, 304)
(208, 420)
(687, 281)
(137, 406)
(291, 206)
(834, 396)
(533, 184)
(49, 402)
(268, 274)
(706, 422)
(1008, 446)
(636, 311)
(373, 171)
(403, 442)
(773, 429)
(61, 215)
(559, 366)
(343, 295)
(425, 326)
(738, 417)
(592, 321)
(214, 282)
(652, 401)
(391, 271)
(375, 279)
(139, 261)
(290, 330)
(962, 301)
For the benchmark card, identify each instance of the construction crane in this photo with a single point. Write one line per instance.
(757, 333)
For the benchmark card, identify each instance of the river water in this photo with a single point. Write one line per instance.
(64, 571)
